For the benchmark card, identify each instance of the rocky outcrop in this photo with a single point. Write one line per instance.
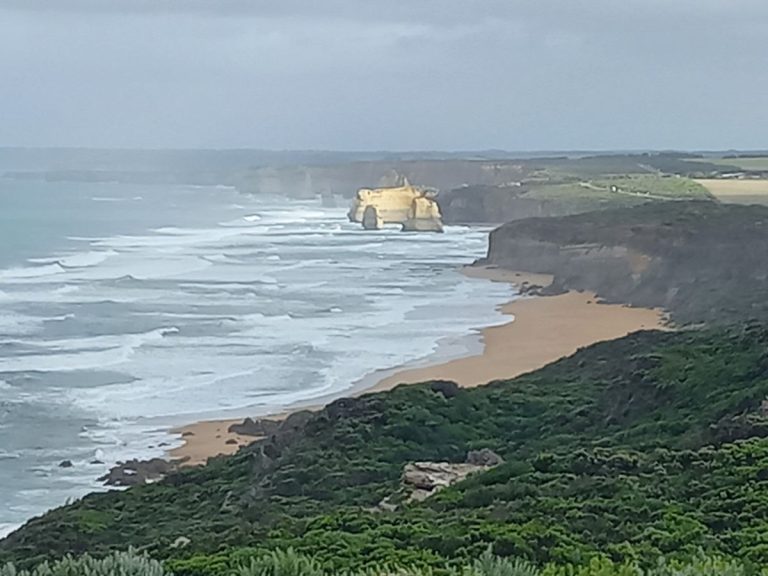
(420, 480)
(484, 457)
(137, 472)
(701, 261)
(258, 428)
(425, 478)
(424, 216)
(412, 206)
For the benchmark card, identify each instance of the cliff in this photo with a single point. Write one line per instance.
(562, 195)
(701, 261)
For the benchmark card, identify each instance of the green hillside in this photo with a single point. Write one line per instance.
(654, 444)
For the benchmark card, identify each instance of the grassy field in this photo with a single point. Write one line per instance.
(661, 187)
(756, 163)
(738, 191)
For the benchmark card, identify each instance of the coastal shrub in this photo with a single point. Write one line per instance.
(651, 445)
(290, 563)
(490, 565)
(117, 564)
(281, 563)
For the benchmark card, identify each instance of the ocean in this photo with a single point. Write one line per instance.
(126, 310)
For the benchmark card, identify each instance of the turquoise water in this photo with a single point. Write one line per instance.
(126, 310)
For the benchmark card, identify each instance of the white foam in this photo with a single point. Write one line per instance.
(13, 324)
(13, 274)
(6, 529)
(85, 259)
(82, 353)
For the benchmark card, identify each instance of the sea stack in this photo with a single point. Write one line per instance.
(414, 207)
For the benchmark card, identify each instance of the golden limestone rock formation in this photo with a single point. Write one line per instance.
(412, 206)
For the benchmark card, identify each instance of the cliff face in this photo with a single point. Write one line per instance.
(346, 179)
(701, 261)
(494, 204)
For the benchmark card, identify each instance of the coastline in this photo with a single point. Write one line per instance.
(542, 330)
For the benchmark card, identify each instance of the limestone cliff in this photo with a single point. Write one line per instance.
(412, 206)
(701, 261)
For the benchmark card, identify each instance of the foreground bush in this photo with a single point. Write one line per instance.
(291, 563)
(117, 564)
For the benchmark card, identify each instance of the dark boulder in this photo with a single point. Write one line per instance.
(137, 472)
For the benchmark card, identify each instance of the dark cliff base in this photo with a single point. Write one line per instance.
(701, 261)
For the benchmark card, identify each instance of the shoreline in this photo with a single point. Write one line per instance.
(541, 330)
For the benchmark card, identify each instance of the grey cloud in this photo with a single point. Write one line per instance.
(399, 74)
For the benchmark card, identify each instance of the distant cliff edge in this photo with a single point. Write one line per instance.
(701, 261)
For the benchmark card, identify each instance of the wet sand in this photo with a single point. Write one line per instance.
(543, 329)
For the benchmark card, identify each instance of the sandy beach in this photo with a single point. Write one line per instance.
(542, 329)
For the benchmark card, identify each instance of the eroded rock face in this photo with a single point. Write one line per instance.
(424, 216)
(136, 472)
(412, 206)
(423, 479)
(484, 457)
(426, 478)
(371, 219)
(700, 261)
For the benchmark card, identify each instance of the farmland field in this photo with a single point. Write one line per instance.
(738, 191)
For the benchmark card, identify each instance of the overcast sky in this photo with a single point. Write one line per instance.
(389, 74)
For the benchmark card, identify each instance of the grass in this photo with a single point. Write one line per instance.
(755, 163)
(651, 185)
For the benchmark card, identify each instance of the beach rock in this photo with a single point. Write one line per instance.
(250, 427)
(484, 457)
(426, 478)
(296, 421)
(445, 387)
(137, 472)
(66, 464)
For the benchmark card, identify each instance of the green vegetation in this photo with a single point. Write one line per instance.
(735, 163)
(667, 187)
(652, 445)
(591, 167)
(576, 197)
(289, 563)
(116, 564)
(564, 188)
